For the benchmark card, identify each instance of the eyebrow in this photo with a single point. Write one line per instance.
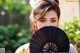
(45, 18)
(42, 18)
(53, 18)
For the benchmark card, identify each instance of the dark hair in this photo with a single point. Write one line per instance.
(57, 1)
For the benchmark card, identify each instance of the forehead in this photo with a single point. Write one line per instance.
(50, 14)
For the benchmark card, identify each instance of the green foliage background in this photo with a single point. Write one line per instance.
(72, 29)
(13, 36)
(15, 6)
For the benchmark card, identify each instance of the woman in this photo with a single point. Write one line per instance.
(44, 13)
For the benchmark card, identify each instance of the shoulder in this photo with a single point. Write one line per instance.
(73, 49)
(24, 48)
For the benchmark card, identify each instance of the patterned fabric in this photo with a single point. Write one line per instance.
(72, 49)
(25, 49)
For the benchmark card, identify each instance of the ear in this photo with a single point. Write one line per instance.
(35, 23)
(35, 27)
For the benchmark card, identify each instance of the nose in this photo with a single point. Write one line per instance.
(48, 24)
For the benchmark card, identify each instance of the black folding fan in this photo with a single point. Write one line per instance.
(49, 39)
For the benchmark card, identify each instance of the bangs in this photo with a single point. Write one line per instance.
(38, 14)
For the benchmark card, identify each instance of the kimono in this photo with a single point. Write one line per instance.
(25, 49)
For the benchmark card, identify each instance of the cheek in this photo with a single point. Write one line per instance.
(39, 25)
(55, 24)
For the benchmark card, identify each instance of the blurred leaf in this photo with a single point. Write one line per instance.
(6, 8)
(1, 1)
(12, 36)
(1, 37)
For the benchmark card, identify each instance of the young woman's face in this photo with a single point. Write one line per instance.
(49, 19)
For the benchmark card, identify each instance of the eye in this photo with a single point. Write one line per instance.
(42, 20)
(53, 20)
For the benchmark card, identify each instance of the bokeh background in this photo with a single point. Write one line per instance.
(14, 23)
